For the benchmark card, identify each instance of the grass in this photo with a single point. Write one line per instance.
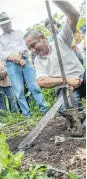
(17, 124)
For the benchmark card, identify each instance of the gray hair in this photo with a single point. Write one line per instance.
(34, 33)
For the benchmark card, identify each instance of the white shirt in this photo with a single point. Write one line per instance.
(48, 66)
(11, 43)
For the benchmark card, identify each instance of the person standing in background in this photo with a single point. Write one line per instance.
(6, 90)
(80, 40)
(15, 52)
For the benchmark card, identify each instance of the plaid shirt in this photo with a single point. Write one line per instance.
(6, 81)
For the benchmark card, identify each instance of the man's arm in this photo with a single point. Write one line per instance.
(3, 54)
(7, 56)
(49, 82)
(71, 13)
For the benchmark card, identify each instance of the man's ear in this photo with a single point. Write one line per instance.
(42, 36)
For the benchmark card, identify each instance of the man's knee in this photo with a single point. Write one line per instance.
(19, 93)
(34, 88)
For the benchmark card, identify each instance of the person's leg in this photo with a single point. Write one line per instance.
(62, 107)
(80, 93)
(30, 78)
(2, 99)
(77, 98)
(16, 78)
(27, 94)
(11, 99)
(78, 101)
(82, 88)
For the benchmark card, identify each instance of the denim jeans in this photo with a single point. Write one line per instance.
(16, 74)
(78, 93)
(8, 92)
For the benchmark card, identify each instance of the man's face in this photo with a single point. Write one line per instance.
(6, 27)
(38, 45)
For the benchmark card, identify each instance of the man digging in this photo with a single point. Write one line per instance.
(47, 67)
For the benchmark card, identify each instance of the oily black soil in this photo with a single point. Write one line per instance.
(49, 148)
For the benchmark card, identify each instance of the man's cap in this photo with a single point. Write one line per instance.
(4, 18)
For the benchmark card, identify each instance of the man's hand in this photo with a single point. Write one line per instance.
(22, 62)
(74, 82)
(49, 82)
(15, 58)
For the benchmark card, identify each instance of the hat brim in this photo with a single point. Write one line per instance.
(5, 22)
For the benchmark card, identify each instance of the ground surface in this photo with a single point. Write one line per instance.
(61, 152)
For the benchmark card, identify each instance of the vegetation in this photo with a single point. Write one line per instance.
(72, 175)
(60, 19)
(12, 118)
(11, 165)
(17, 124)
(81, 22)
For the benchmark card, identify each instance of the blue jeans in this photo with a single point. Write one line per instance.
(16, 74)
(8, 92)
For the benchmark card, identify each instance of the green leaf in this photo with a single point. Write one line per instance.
(43, 177)
(18, 158)
(2, 138)
(72, 175)
(12, 175)
(1, 168)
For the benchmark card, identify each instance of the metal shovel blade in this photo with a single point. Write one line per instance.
(41, 124)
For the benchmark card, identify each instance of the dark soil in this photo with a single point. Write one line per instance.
(65, 155)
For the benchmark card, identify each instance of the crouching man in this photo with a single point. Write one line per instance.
(47, 67)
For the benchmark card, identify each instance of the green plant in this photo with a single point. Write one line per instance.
(50, 97)
(10, 118)
(72, 175)
(16, 122)
(38, 172)
(81, 22)
(41, 27)
(11, 165)
(84, 102)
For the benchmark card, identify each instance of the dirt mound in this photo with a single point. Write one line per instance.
(54, 146)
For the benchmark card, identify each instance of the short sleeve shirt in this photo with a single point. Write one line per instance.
(48, 66)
